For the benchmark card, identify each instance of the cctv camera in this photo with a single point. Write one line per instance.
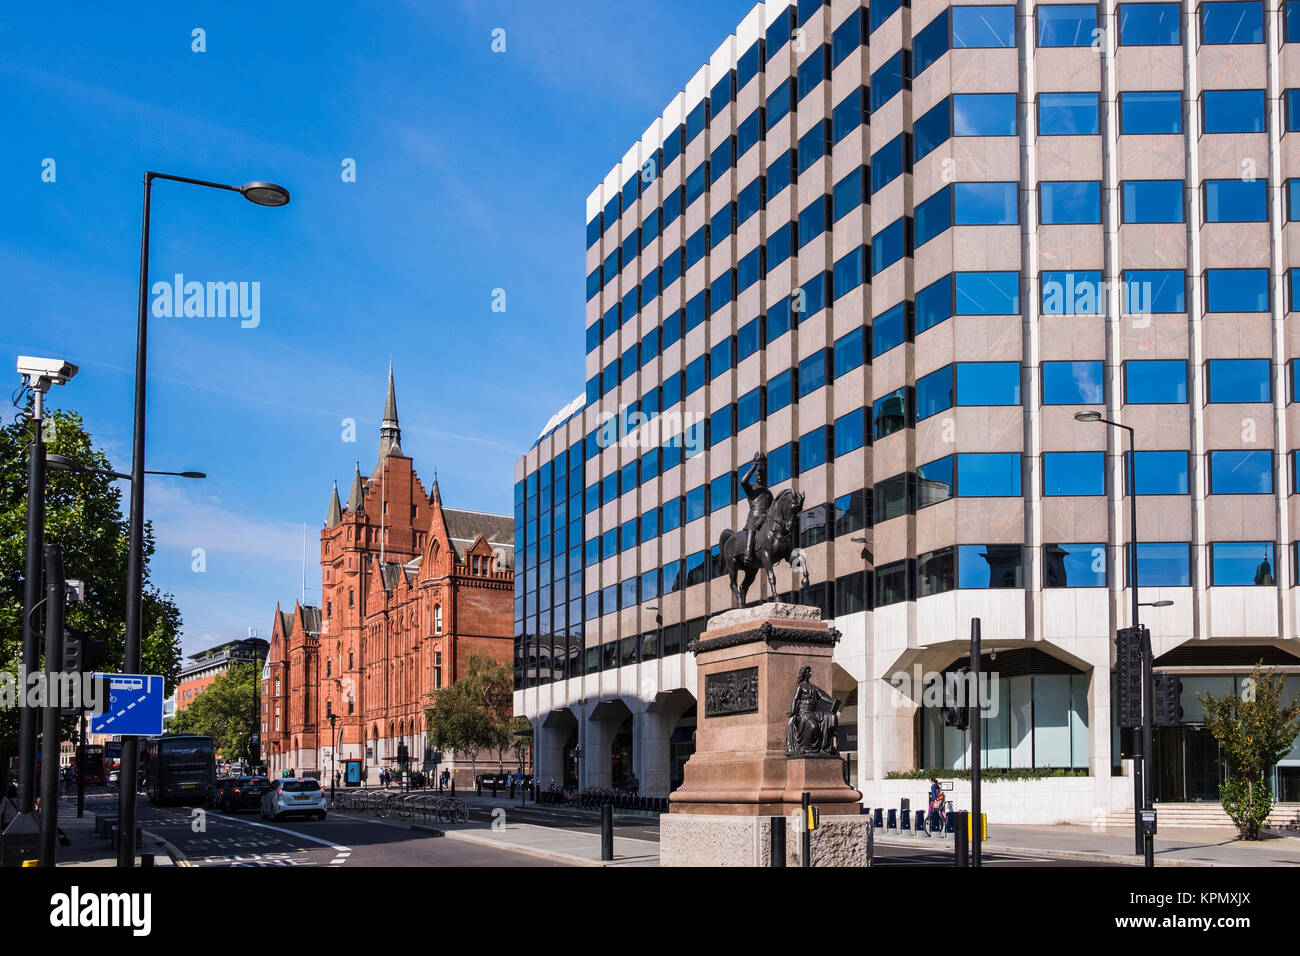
(41, 373)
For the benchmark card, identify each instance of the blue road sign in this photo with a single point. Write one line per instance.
(135, 706)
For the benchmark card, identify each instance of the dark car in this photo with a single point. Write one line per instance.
(240, 793)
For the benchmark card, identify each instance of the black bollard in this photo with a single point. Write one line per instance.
(607, 832)
(805, 834)
(778, 841)
(961, 838)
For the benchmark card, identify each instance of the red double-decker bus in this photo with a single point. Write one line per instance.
(91, 759)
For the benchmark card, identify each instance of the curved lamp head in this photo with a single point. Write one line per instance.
(265, 194)
(1087, 416)
(193, 474)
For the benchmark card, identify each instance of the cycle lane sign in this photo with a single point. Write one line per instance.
(135, 706)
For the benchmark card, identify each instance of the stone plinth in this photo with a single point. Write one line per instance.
(701, 839)
(748, 663)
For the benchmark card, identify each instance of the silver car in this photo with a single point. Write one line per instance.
(290, 795)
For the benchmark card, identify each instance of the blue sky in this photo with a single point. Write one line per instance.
(472, 171)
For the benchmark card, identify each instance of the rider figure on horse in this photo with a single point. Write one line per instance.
(754, 483)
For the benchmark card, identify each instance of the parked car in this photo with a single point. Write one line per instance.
(288, 795)
(239, 793)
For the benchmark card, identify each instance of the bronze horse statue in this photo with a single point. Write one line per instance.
(774, 541)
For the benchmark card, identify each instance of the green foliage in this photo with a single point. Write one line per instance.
(472, 714)
(83, 514)
(990, 775)
(520, 745)
(1255, 730)
(226, 711)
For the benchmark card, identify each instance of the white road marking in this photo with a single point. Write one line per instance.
(294, 833)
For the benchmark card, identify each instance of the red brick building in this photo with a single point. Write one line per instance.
(410, 589)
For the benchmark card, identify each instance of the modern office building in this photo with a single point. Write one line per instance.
(899, 248)
(203, 668)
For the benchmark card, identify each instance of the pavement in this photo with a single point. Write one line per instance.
(1200, 846)
(87, 849)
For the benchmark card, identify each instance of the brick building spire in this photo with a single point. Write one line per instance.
(390, 435)
(335, 514)
(356, 499)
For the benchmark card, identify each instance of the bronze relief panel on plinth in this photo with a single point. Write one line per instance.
(731, 692)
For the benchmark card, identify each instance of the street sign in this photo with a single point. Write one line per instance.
(135, 706)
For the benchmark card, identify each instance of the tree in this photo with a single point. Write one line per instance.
(226, 711)
(1255, 730)
(472, 714)
(521, 739)
(83, 514)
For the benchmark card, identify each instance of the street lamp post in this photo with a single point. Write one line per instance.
(333, 719)
(1142, 782)
(263, 194)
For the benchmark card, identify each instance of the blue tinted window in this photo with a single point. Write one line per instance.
(850, 432)
(697, 309)
(985, 204)
(1154, 290)
(934, 482)
(1233, 111)
(931, 130)
(849, 36)
(1232, 22)
(723, 159)
(1236, 290)
(1292, 26)
(1155, 382)
(849, 114)
(650, 464)
(813, 220)
(1236, 200)
(697, 503)
(1293, 284)
(1152, 200)
(723, 92)
(696, 120)
(674, 265)
(722, 491)
(719, 226)
(1068, 203)
(594, 230)
(650, 287)
(891, 329)
(987, 383)
(673, 202)
(934, 304)
(749, 339)
(1161, 564)
(1074, 473)
(778, 33)
(671, 514)
(813, 448)
(890, 244)
(1072, 293)
(1239, 380)
(1073, 383)
(813, 295)
(882, 10)
(1241, 472)
(697, 244)
(891, 161)
(814, 69)
(750, 269)
(780, 245)
(850, 271)
(720, 357)
(613, 209)
(989, 475)
(889, 413)
(1151, 113)
(674, 143)
(813, 145)
(812, 373)
(1159, 473)
(1149, 24)
(749, 132)
(593, 284)
(934, 393)
(780, 391)
(749, 200)
(850, 351)
(780, 174)
(650, 228)
(983, 114)
(1067, 114)
(1074, 565)
(748, 64)
(850, 193)
(934, 216)
(982, 27)
(779, 463)
(986, 293)
(1292, 111)
(780, 102)
(778, 316)
(930, 43)
(749, 409)
(721, 292)
(593, 337)
(1242, 563)
(720, 425)
(889, 80)
(696, 180)
(990, 565)
(1066, 25)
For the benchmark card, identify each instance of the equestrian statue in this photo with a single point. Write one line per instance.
(768, 537)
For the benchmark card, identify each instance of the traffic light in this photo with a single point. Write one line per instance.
(1128, 676)
(955, 713)
(82, 654)
(1168, 694)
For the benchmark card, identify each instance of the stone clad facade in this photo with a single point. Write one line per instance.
(410, 589)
